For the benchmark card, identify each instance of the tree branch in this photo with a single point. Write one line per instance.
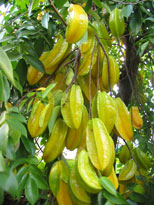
(55, 9)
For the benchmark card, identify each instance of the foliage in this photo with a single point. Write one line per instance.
(30, 28)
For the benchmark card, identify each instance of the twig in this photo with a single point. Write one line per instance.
(77, 63)
(98, 85)
(108, 61)
(18, 102)
(55, 9)
(90, 82)
(38, 145)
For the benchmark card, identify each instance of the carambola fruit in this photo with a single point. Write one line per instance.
(123, 122)
(77, 23)
(135, 117)
(116, 23)
(86, 174)
(111, 72)
(100, 145)
(56, 141)
(40, 116)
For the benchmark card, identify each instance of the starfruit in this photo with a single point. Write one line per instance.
(33, 75)
(100, 145)
(86, 174)
(55, 56)
(77, 23)
(114, 178)
(111, 72)
(106, 110)
(142, 159)
(84, 84)
(74, 136)
(40, 116)
(123, 122)
(72, 107)
(124, 154)
(102, 33)
(77, 189)
(135, 117)
(53, 149)
(86, 63)
(128, 171)
(89, 43)
(60, 82)
(116, 23)
(58, 182)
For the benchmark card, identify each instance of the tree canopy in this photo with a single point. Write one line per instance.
(77, 74)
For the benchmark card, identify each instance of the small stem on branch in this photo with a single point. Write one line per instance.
(108, 61)
(90, 113)
(76, 63)
(55, 9)
(98, 85)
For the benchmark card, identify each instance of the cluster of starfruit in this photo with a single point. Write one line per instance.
(64, 110)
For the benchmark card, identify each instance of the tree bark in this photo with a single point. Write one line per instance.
(132, 62)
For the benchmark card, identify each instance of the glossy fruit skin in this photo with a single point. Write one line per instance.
(55, 55)
(116, 23)
(106, 109)
(72, 107)
(74, 136)
(76, 188)
(123, 123)
(77, 23)
(40, 117)
(135, 117)
(86, 174)
(114, 178)
(128, 171)
(114, 73)
(102, 33)
(53, 149)
(124, 154)
(99, 145)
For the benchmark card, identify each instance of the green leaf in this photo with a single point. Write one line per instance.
(17, 163)
(2, 117)
(137, 197)
(38, 178)
(4, 131)
(32, 160)
(10, 152)
(136, 22)
(21, 70)
(100, 198)
(98, 3)
(16, 116)
(127, 10)
(45, 20)
(35, 62)
(17, 126)
(21, 185)
(83, 39)
(118, 199)
(60, 3)
(106, 7)
(31, 191)
(143, 47)
(22, 171)
(107, 185)
(11, 184)
(6, 89)
(1, 87)
(139, 189)
(29, 145)
(2, 163)
(94, 14)
(48, 89)
(6, 66)
(88, 5)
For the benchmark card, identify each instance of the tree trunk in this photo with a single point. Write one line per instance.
(132, 62)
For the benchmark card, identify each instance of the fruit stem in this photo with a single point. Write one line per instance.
(108, 62)
(55, 9)
(76, 63)
(90, 113)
